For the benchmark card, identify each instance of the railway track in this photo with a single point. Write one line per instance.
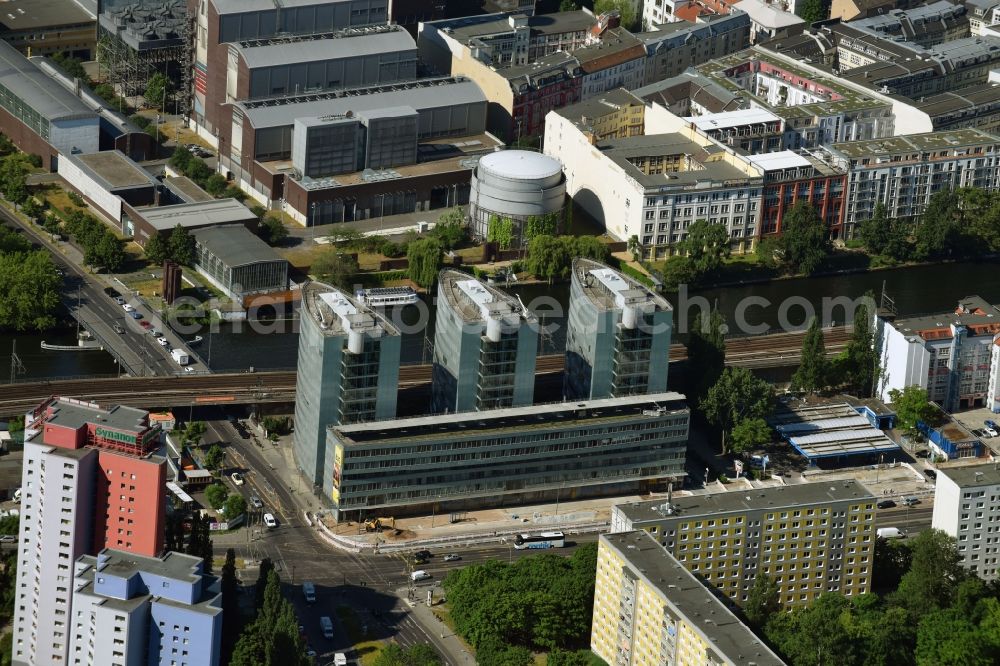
(755, 352)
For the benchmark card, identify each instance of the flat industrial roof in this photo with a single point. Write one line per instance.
(785, 159)
(726, 119)
(914, 143)
(973, 312)
(75, 414)
(187, 189)
(200, 214)
(112, 169)
(741, 500)
(623, 151)
(465, 424)
(829, 430)
(26, 81)
(331, 46)
(240, 6)
(690, 599)
(421, 95)
(767, 15)
(40, 14)
(973, 476)
(235, 245)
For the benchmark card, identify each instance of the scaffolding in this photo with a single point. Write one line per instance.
(141, 38)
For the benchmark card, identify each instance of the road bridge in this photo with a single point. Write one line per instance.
(776, 350)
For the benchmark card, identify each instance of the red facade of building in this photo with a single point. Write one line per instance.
(824, 192)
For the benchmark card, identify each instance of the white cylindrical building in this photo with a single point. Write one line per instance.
(516, 185)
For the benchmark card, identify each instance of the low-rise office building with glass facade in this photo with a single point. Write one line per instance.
(507, 456)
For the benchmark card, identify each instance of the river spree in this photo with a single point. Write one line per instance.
(274, 345)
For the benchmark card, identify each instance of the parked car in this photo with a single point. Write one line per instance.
(452, 557)
(270, 521)
(163, 342)
(119, 300)
(889, 533)
(156, 334)
(931, 474)
(886, 504)
(255, 502)
(424, 554)
(119, 329)
(419, 574)
(127, 308)
(911, 501)
(326, 624)
(145, 324)
(237, 478)
(136, 314)
(991, 428)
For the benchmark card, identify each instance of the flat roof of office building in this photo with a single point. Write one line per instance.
(973, 476)
(199, 214)
(974, 313)
(241, 6)
(421, 94)
(727, 119)
(16, 15)
(600, 283)
(26, 81)
(235, 245)
(622, 151)
(739, 501)
(112, 169)
(336, 311)
(971, 100)
(467, 28)
(467, 297)
(75, 414)
(513, 419)
(914, 143)
(349, 43)
(686, 596)
(187, 190)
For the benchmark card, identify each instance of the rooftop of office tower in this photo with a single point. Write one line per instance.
(477, 302)
(339, 314)
(609, 289)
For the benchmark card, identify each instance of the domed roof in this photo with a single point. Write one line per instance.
(520, 164)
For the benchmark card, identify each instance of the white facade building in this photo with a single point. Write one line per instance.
(967, 507)
(952, 355)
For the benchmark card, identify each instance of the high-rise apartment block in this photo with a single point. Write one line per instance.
(967, 507)
(618, 337)
(348, 370)
(810, 538)
(133, 610)
(649, 609)
(953, 355)
(91, 480)
(485, 344)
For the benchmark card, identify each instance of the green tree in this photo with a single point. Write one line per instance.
(587, 247)
(625, 9)
(749, 434)
(559, 657)
(181, 244)
(193, 432)
(875, 231)
(10, 525)
(813, 11)
(214, 457)
(858, 363)
(500, 230)
(425, 261)
(415, 655)
(180, 159)
(335, 268)
(216, 184)
(216, 495)
(263, 572)
(548, 258)
(72, 66)
(706, 245)
(706, 352)
(197, 170)
(450, 230)
(811, 375)
(803, 241)
(272, 230)
(156, 250)
(763, 601)
(540, 225)
(29, 290)
(234, 506)
(158, 88)
(934, 576)
(737, 395)
(568, 6)
(940, 232)
(948, 638)
(14, 170)
(912, 405)
(677, 271)
(109, 252)
(891, 561)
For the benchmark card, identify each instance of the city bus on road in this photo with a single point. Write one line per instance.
(543, 540)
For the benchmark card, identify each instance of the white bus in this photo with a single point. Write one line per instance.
(543, 540)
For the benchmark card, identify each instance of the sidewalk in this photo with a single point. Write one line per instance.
(445, 640)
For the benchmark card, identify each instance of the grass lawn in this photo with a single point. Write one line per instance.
(365, 647)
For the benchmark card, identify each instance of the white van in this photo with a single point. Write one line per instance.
(340, 659)
(419, 574)
(326, 624)
(889, 533)
(17, 496)
(309, 592)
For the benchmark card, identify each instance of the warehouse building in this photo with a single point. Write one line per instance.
(109, 180)
(809, 538)
(141, 223)
(40, 117)
(238, 262)
(348, 372)
(618, 335)
(649, 609)
(506, 456)
(350, 58)
(361, 152)
(485, 345)
(47, 27)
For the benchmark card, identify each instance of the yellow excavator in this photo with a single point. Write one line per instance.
(379, 524)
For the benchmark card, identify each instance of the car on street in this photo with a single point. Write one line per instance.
(255, 502)
(163, 342)
(931, 474)
(145, 324)
(156, 334)
(923, 453)
(452, 557)
(340, 659)
(310, 652)
(889, 533)
(269, 521)
(326, 624)
(424, 554)
(188, 368)
(886, 504)
(911, 501)
(237, 478)
(136, 314)
(127, 308)
(119, 300)
(991, 428)
(119, 329)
